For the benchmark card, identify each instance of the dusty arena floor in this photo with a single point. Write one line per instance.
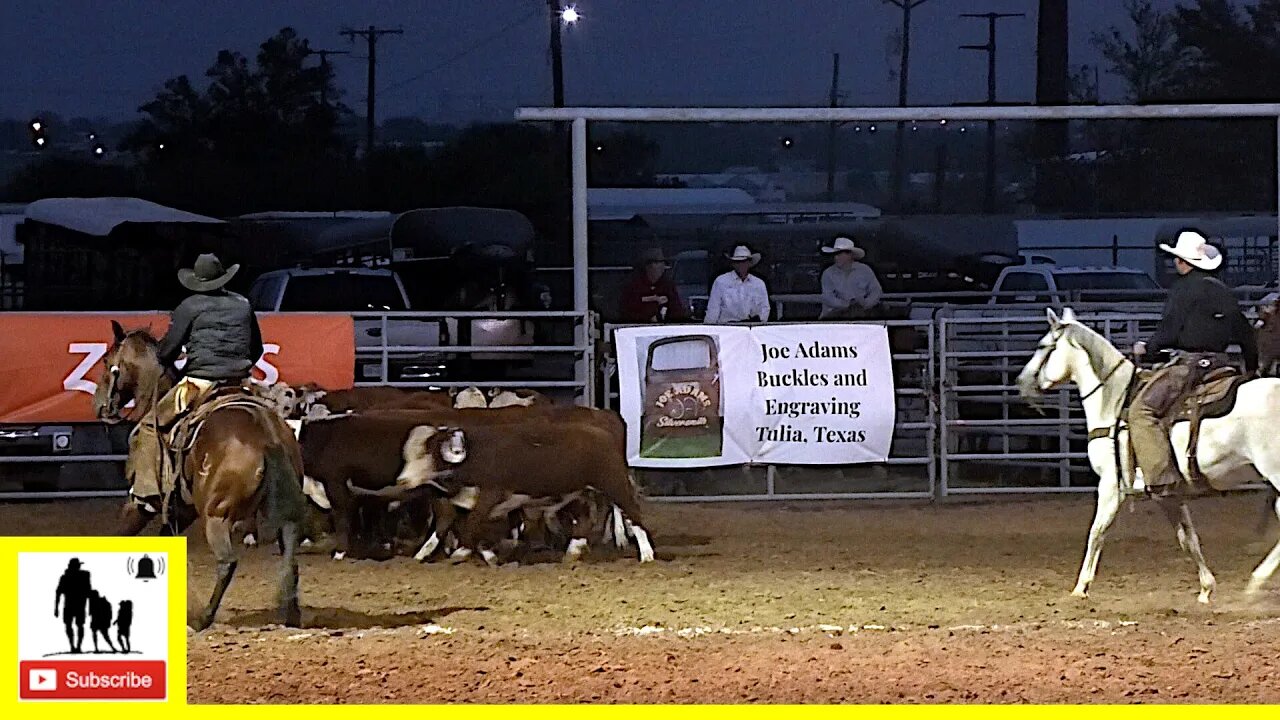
(794, 603)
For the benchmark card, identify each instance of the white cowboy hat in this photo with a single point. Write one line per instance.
(1195, 250)
(742, 252)
(844, 244)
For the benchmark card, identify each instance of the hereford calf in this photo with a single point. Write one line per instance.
(514, 465)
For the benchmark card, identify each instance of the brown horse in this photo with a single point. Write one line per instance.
(242, 458)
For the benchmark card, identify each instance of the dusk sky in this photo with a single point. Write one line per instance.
(106, 57)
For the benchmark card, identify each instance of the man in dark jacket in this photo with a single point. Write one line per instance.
(223, 342)
(651, 296)
(1201, 318)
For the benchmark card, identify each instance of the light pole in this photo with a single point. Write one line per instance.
(559, 16)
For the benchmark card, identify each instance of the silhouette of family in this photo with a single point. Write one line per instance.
(76, 597)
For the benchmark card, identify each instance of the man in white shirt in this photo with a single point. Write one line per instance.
(850, 289)
(738, 296)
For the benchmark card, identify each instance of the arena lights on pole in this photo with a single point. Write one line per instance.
(570, 15)
(38, 128)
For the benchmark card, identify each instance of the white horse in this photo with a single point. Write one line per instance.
(1234, 450)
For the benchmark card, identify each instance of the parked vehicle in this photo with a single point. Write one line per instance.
(355, 290)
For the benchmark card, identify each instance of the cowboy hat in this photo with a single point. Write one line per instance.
(844, 244)
(1195, 250)
(653, 255)
(206, 274)
(742, 252)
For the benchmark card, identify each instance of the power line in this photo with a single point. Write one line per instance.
(459, 55)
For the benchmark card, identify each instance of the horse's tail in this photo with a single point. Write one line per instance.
(285, 501)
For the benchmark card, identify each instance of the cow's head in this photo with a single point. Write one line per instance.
(508, 398)
(472, 397)
(429, 451)
(285, 399)
(453, 450)
(1267, 314)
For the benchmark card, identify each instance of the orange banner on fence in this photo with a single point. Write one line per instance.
(51, 362)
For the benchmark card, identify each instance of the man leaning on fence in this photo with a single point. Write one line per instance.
(738, 295)
(650, 296)
(850, 289)
(1201, 319)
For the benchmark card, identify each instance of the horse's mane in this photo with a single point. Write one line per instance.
(1102, 354)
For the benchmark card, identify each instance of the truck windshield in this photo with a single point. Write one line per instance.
(1104, 281)
(341, 292)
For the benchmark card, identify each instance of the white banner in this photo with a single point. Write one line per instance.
(700, 396)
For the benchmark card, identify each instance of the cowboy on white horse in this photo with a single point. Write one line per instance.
(1201, 319)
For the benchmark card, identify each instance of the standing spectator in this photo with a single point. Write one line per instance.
(738, 296)
(850, 289)
(650, 296)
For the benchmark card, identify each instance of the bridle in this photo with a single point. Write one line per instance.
(1053, 345)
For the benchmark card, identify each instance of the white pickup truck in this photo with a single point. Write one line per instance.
(1024, 291)
(354, 290)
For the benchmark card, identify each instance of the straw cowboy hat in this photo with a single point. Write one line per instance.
(742, 252)
(1195, 250)
(207, 274)
(844, 244)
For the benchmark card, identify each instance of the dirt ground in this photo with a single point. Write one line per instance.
(763, 603)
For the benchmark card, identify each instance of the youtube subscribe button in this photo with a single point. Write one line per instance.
(91, 680)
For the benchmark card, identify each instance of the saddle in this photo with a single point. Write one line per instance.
(181, 436)
(1213, 397)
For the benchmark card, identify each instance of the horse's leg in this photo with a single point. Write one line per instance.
(1180, 517)
(1268, 565)
(289, 536)
(217, 530)
(1108, 507)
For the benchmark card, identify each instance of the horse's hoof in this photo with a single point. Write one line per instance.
(201, 623)
(250, 540)
(293, 617)
(1203, 598)
(339, 556)
(1081, 594)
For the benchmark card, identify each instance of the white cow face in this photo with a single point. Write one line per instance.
(454, 449)
(472, 397)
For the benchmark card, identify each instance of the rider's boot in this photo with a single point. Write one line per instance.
(134, 518)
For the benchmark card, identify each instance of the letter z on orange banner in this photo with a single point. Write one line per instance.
(52, 361)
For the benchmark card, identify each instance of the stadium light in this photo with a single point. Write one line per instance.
(570, 15)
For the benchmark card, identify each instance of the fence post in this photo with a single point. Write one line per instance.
(581, 298)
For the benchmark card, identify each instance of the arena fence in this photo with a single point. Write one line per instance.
(961, 427)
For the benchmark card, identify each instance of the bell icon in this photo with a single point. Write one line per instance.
(146, 569)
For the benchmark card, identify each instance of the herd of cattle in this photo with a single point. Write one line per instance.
(452, 474)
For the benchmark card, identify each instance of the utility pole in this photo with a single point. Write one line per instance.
(831, 128)
(904, 66)
(989, 198)
(371, 35)
(324, 70)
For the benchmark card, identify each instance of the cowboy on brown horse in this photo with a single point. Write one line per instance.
(223, 342)
(1201, 318)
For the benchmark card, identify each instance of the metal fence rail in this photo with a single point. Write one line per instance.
(961, 427)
